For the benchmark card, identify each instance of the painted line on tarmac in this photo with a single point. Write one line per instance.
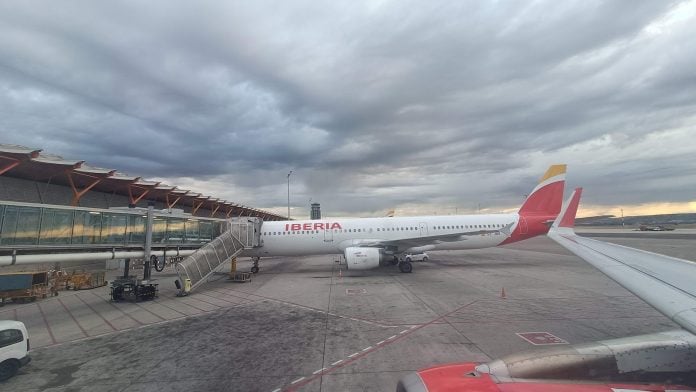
(298, 380)
(72, 316)
(48, 327)
(358, 319)
(337, 362)
(318, 371)
(367, 351)
(97, 313)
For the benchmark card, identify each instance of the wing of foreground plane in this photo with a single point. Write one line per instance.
(666, 283)
(664, 361)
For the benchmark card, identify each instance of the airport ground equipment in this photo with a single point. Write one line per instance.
(85, 280)
(241, 234)
(133, 289)
(24, 286)
(236, 276)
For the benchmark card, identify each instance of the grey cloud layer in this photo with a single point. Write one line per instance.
(373, 105)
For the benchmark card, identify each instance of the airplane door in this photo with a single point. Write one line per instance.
(423, 229)
(328, 235)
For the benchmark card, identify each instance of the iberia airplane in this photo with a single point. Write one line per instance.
(365, 242)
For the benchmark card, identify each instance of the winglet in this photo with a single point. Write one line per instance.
(567, 216)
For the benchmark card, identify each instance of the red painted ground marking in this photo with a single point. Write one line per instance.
(169, 307)
(221, 299)
(48, 327)
(97, 313)
(202, 300)
(361, 354)
(194, 306)
(541, 338)
(117, 308)
(227, 292)
(72, 316)
(150, 311)
(320, 310)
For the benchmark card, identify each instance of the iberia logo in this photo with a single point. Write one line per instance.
(312, 226)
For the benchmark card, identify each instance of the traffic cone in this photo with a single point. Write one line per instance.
(502, 294)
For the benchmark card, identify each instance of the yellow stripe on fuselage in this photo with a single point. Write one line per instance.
(554, 170)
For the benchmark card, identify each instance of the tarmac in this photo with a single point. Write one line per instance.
(307, 324)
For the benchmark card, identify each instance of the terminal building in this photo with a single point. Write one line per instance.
(55, 210)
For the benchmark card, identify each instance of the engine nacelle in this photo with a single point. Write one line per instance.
(362, 258)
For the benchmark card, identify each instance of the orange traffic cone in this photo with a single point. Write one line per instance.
(502, 294)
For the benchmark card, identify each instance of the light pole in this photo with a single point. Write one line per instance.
(289, 193)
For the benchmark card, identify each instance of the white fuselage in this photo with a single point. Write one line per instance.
(333, 236)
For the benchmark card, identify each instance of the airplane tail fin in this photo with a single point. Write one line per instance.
(566, 218)
(547, 196)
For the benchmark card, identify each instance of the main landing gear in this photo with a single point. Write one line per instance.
(255, 267)
(405, 265)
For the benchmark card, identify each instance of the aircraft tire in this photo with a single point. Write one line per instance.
(406, 267)
(395, 260)
(254, 270)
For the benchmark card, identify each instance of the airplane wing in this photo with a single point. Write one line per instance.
(416, 242)
(666, 283)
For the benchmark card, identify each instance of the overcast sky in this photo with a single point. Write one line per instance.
(423, 107)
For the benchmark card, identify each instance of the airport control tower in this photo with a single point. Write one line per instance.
(316, 211)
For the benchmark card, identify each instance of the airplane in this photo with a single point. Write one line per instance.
(664, 361)
(368, 242)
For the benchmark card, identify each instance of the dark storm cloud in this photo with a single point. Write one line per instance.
(373, 105)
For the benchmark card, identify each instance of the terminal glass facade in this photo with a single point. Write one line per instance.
(23, 224)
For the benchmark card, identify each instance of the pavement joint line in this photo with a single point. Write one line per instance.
(367, 348)
(150, 311)
(319, 310)
(204, 301)
(97, 313)
(48, 327)
(319, 371)
(169, 307)
(119, 309)
(298, 380)
(394, 338)
(218, 298)
(337, 362)
(72, 316)
(115, 331)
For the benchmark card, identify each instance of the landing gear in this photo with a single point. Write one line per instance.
(405, 267)
(255, 267)
(395, 260)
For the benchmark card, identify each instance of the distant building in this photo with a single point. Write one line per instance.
(316, 211)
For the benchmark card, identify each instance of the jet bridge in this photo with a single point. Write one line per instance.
(241, 234)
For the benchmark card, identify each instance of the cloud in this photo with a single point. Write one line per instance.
(376, 105)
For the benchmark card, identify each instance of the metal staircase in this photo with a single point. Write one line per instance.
(241, 234)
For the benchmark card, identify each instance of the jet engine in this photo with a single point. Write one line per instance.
(358, 258)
